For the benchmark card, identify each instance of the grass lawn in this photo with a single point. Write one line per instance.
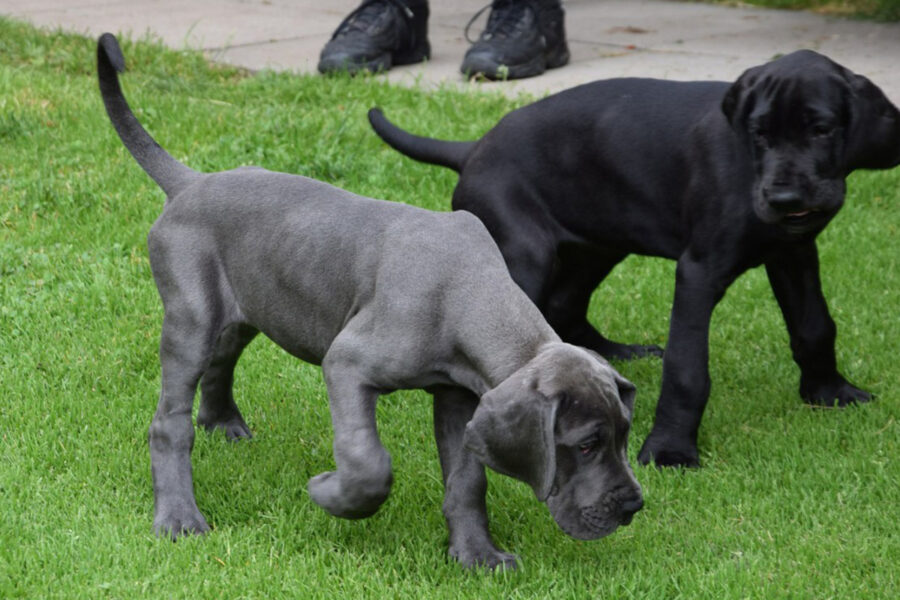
(792, 502)
(882, 10)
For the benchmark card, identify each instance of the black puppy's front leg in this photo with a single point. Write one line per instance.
(579, 273)
(685, 379)
(465, 483)
(794, 276)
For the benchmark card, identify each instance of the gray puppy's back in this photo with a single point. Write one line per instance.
(321, 251)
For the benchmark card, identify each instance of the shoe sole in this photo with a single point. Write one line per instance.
(347, 64)
(418, 54)
(481, 66)
(475, 67)
(382, 62)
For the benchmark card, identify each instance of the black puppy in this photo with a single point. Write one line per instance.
(720, 177)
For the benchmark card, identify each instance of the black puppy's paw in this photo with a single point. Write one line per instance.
(617, 351)
(835, 392)
(642, 350)
(667, 450)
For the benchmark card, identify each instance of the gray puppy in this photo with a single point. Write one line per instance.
(384, 296)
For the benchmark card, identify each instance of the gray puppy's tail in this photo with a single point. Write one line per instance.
(438, 152)
(167, 172)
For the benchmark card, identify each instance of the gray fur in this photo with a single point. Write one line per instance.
(383, 296)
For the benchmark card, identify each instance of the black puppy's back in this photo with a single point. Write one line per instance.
(592, 144)
(641, 96)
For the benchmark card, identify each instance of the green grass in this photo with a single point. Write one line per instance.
(881, 10)
(792, 502)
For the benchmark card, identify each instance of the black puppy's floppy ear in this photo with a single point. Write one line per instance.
(873, 138)
(730, 101)
(512, 433)
(735, 103)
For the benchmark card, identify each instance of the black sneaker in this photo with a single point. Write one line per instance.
(376, 36)
(523, 38)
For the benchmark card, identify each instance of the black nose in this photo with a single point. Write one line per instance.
(785, 199)
(629, 507)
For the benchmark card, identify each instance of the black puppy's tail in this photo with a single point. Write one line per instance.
(167, 172)
(438, 152)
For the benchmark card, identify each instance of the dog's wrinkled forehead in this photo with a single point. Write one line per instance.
(582, 379)
(791, 93)
(797, 103)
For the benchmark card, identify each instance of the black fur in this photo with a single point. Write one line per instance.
(720, 177)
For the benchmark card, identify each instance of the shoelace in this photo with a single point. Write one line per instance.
(364, 18)
(501, 21)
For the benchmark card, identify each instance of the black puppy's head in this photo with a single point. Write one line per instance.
(561, 424)
(808, 122)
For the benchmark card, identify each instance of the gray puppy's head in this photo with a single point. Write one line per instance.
(808, 122)
(560, 424)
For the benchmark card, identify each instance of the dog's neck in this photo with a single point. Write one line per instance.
(500, 340)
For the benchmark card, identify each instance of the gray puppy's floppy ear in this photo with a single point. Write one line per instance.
(512, 433)
(627, 392)
(873, 140)
(626, 389)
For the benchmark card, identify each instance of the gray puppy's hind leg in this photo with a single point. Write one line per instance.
(218, 409)
(363, 479)
(184, 353)
(465, 484)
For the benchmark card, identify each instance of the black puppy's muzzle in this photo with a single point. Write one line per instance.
(790, 208)
(785, 201)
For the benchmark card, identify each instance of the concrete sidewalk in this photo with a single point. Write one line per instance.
(607, 38)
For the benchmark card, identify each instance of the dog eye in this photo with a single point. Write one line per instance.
(589, 447)
(822, 130)
(761, 136)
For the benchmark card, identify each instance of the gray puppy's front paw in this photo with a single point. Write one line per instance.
(328, 491)
(483, 555)
(174, 523)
